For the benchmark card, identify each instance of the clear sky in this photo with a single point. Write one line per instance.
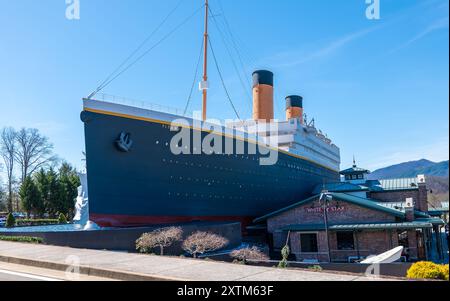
(378, 88)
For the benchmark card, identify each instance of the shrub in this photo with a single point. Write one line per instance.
(204, 242)
(444, 271)
(315, 268)
(24, 239)
(285, 252)
(254, 253)
(36, 222)
(10, 221)
(62, 219)
(161, 238)
(428, 270)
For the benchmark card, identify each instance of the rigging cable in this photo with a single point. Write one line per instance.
(246, 91)
(236, 39)
(104, 85)
(195, 78)
(221, 78)
(138, 48)
(248, 55)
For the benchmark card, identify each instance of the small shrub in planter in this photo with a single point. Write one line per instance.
(315, 268)
(243, 255)
(161, 238)
(203, 242)
(428, 270)
(10, 221)
(62, 219)
(285, 252)
(444, 269)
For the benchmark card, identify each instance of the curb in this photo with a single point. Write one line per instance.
(88, 271)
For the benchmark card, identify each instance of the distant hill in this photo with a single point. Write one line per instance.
(437, 177)
(412, 169)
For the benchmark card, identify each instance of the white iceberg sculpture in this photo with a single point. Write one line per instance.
(82, 205)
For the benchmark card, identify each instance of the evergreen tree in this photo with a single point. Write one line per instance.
(42, 184)
(69, 183)
(54, 203)
(10, 221)
(30, 197)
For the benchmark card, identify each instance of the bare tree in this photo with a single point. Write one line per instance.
(33, 152)
(161, 238)
(203, 242)
(8, 147)
(248, 253)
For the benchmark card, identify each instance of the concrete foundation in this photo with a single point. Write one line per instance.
(124, 239)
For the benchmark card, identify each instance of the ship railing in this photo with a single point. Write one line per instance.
(103, 97)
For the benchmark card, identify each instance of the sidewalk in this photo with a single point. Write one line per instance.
(126, 266)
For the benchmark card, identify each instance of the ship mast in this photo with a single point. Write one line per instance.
(204, 83)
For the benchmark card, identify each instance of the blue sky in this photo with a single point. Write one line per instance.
(378, 88)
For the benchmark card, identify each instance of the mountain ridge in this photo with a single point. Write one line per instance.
(437, 175)
(411, 169)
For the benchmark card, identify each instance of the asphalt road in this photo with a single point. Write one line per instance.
(6, 275)
(15, 272)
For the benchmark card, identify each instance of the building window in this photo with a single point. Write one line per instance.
(309, 243)
(345, 241)
(361, 177)
(354, 177)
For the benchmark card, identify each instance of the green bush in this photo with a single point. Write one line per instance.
(444, 270)
(62, 219)
(285, 252)
(36, 222)
(315, 268)
(10, 221)
(24, 239)
(428, 270)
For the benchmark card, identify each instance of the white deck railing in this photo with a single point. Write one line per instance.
(140, 104)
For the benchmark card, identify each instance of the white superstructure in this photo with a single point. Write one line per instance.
(294, 137)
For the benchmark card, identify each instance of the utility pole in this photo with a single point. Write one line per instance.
(325, 197)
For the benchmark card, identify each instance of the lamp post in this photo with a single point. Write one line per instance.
(326, 197)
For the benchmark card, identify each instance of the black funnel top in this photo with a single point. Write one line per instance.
(294, 101)
(262, 77)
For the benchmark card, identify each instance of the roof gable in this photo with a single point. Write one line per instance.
(354, 170)
(343, 197)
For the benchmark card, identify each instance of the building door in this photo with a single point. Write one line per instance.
(421, 252)
(404, 242)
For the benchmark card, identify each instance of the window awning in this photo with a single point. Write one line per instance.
(355, 227)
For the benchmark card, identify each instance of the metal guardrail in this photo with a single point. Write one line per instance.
(140, 104)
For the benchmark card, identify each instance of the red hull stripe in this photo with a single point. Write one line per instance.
(104, 220)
